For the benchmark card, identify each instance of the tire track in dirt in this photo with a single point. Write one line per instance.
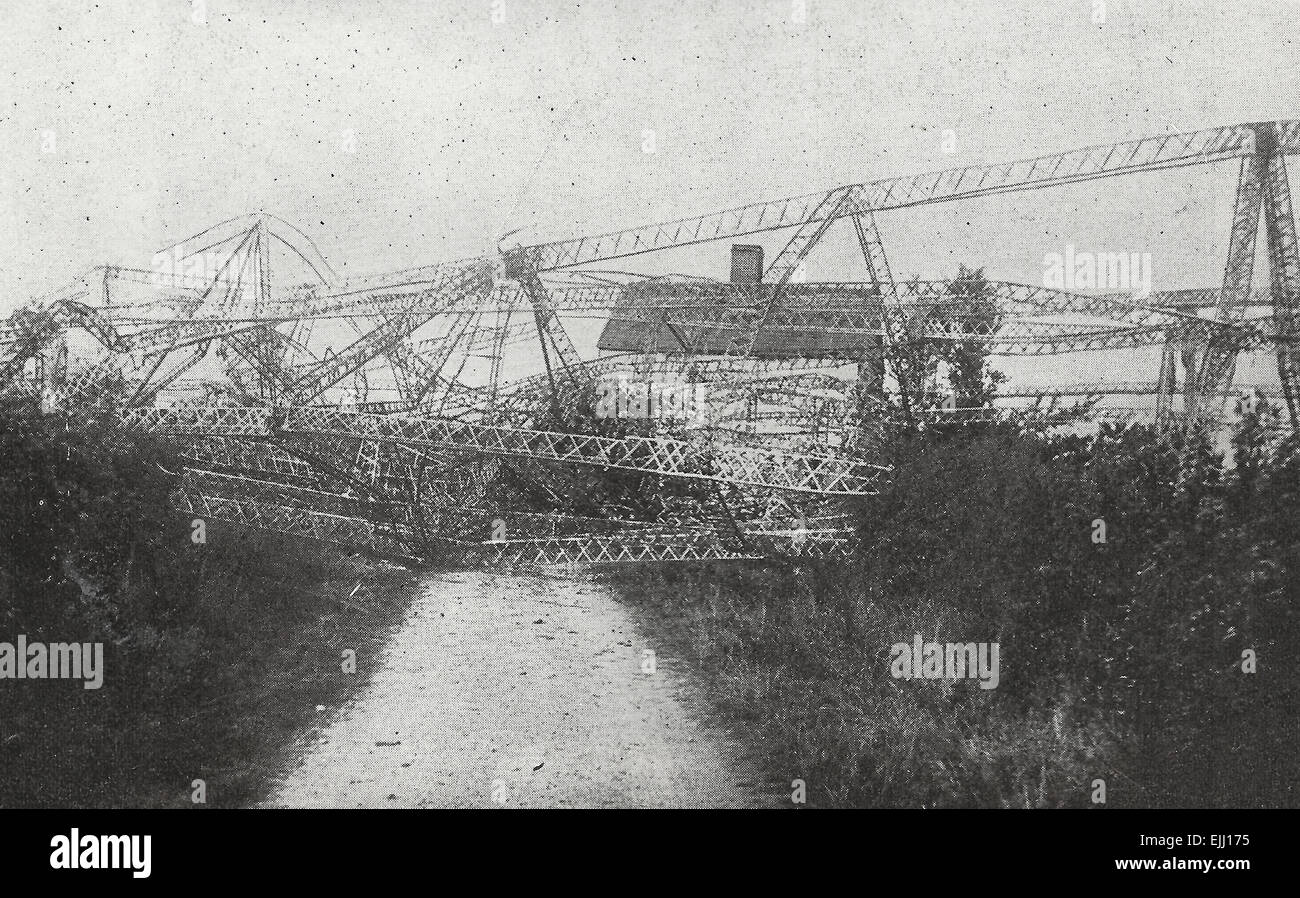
(520, 690)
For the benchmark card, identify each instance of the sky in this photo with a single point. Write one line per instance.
(399, 134)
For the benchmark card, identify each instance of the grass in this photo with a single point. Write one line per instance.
(216, 655)
(1121, 662)
(226, 695)
(799, 664)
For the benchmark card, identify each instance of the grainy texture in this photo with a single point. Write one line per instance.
(520, 691)
(1004, 370)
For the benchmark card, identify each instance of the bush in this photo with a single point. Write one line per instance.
(215, 655)
(1120, 660)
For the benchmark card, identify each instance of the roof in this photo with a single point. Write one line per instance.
(709, 316)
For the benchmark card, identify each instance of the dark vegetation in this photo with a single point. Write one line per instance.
(216, 655)
(1120, 660)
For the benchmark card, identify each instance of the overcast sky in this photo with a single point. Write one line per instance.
(465, 127)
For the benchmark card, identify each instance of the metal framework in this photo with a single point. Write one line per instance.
(388, 413)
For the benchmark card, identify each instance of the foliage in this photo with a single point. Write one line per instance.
(1121, 660)
(215, 655)
(964, 306)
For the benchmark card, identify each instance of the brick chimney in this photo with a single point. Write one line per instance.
(746, 264)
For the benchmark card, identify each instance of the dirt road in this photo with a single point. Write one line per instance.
(520, 691)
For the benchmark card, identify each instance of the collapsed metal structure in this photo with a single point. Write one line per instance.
(342, 410)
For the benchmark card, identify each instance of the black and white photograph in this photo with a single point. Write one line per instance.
(460, 406)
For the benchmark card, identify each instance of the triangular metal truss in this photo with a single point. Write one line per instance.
(349, 411)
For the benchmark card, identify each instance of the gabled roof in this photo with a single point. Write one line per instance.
(709, 316)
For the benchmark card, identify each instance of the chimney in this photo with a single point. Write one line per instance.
(746, 264)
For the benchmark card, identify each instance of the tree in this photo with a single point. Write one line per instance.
(971, 310)
(963, 308)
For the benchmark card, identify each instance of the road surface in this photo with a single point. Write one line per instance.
(520, 690)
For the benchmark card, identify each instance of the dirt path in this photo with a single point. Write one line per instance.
(522, 691)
